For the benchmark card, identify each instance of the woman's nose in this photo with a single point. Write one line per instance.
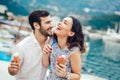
(59, 23)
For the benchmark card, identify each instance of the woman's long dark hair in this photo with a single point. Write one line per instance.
(78, 38)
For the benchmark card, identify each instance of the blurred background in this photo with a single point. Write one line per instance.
(100, 20)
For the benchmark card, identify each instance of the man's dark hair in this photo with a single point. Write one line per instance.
(35, 17)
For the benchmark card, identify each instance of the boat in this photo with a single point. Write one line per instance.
(5, 46)
(96, 34)
(11, 34)
(112, 35)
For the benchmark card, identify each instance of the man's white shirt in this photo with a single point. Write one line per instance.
(30, 54)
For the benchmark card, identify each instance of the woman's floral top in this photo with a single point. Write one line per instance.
(56, 51)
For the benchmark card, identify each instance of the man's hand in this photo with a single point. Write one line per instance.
(14, 66)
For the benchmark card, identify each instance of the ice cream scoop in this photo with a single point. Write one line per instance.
(16, 58)
(61, 59)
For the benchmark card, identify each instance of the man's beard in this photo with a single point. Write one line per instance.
(43, 32)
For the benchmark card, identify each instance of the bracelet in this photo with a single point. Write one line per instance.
(68, 76)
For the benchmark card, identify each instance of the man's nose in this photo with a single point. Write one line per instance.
(51, 25)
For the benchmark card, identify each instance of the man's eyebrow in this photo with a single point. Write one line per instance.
(48, 21)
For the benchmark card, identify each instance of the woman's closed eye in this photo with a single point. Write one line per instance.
(65, 22)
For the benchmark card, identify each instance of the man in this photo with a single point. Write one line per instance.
(29, 64)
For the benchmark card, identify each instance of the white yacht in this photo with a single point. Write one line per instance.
(112, 35)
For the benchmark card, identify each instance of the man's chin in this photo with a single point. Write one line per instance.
(50, 33)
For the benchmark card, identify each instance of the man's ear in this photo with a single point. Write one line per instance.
(36, 25)
(71, 33)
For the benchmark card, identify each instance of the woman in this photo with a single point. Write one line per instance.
(68, 40)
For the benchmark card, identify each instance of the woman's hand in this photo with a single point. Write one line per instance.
(47, 49)
(61, 70)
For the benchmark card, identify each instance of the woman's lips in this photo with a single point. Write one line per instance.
(58, 28)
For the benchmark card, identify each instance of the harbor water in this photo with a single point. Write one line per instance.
(100, 62)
